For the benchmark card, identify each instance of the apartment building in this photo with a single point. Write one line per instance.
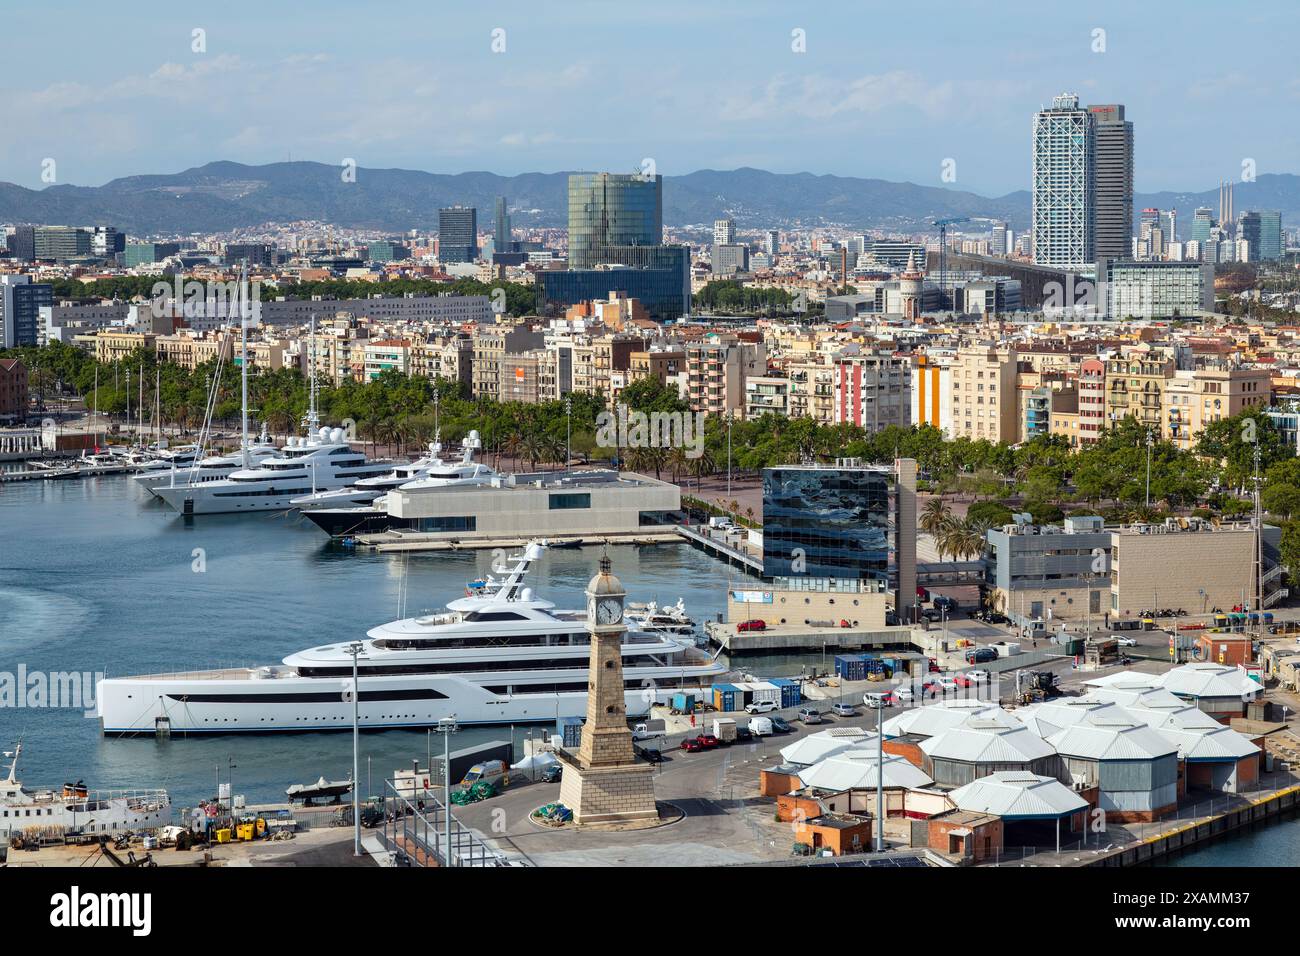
(931, 393)
(13, 389)
(873, 391)
(491, 344)
(812, 391)
(716, 369)
(386, 355)
(984, 400)
(766, 394)
(190, 350)
(1135, 386)
(1092, 401)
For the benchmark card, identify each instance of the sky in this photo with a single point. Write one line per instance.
(896, 91)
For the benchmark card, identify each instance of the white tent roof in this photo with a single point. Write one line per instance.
(1113, 737)
(933, 719)
(1126, 679)
(988, 741)
(858, 768)
(1055, 715)
(1015, 793)
(826, 743)
(1207, 679)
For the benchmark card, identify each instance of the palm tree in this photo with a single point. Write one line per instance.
(933, 515)
(961, 539)
(677, 462)
(701, 466)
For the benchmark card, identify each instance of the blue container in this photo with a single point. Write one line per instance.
(790, 694)
(852, 666)
(684, 703)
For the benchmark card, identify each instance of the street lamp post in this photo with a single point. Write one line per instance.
(568, 432)
(447, 726)
(1149, 443)
(728, 455)
(879, 706)
(354, 650)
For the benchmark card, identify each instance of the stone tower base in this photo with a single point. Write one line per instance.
(622, 793)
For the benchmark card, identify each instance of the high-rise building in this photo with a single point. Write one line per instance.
(612, 209)
(1112, 182)
(458, 234)
(1270, 235)
(1202, 223)
(724, 232)
(730, 258)
(1226, 217)
(501, 239)
(1064, 157)
(774, 243)
(21, 301)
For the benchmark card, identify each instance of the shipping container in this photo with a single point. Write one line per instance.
(765, 692)
(851, 667)
(724, 697)
(791, 695)
(683, 703)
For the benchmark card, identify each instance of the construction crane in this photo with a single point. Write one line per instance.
(943, 225)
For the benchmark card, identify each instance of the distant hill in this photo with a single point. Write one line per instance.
(224, 195)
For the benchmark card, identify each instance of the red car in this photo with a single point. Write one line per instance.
(707, 741)
(754, 625)
(692, 744)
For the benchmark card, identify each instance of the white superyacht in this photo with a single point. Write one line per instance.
(500, 656)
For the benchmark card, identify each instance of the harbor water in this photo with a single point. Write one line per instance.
(96, 576)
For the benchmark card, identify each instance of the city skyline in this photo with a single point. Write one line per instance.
(389, 102)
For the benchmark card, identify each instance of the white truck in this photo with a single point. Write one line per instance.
(649, 730)
(724, 728)
(760, 726)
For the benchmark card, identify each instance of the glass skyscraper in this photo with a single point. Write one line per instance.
(458, 234)
(1063, 196)
(827, 523)
(612, 209)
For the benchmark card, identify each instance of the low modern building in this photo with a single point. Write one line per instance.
(598, 504)
(1026, 803)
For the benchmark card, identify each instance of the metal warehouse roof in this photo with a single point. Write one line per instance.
(1207, 679)
(1112, 737)
(826, 743)
(1203, 743)
(988, 741)
(1015, 794)
(933, 719)
(859, 768)
(1047, 718)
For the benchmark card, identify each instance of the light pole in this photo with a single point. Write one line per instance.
(354, 650)
(879, 706)
(728, 456)
(447, 726)
(1149, 443)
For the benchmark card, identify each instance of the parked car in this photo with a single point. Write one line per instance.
(944, 603)
(981, 655)
(810, 716)
(754, 625)
(744, 735)
(944, 684)
(904, 694)
(972, 678)
(692, 744)
(760, 727)
(844, 710)
(649, 754)
(553, 773)
(779, 725)
(762, 707)
(1126, 642)
(707, 741)
(878, 698)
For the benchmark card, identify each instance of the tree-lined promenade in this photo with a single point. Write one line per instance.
(1044, 476)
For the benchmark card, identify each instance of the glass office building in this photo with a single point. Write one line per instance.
(825, 527)
(458, 234)
(612, 209)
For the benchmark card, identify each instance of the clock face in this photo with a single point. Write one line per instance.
(609, 611)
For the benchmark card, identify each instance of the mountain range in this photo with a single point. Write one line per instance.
(223, 196)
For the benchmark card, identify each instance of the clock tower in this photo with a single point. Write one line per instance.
(604, 782)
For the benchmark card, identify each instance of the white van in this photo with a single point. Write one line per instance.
(760, 726)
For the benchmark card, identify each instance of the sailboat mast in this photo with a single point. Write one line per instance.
(243, 364)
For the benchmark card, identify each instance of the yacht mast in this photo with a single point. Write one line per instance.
(243, 362)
